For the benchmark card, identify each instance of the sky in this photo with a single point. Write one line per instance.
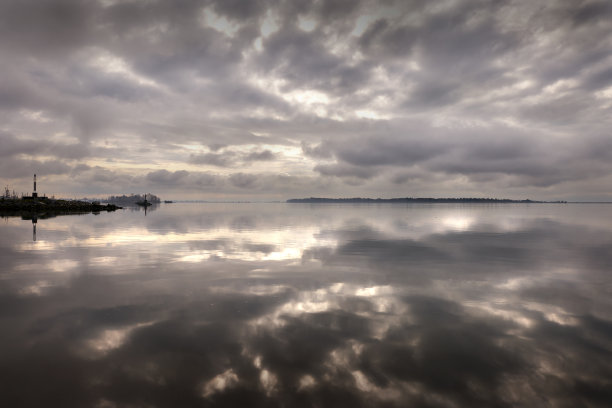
(276, 99)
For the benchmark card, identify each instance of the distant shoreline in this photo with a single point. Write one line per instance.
(427, 200)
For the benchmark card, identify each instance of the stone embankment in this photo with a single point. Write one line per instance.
(47, 205)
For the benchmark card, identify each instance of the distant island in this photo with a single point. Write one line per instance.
(134, 199)
(319, 200)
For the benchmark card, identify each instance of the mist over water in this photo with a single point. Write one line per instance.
(309, 305)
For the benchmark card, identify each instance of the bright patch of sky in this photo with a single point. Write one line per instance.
(219, 23)
(113, 64)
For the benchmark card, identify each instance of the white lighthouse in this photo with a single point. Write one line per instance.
(34, 193)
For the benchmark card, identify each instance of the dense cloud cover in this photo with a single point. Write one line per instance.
(272, 99)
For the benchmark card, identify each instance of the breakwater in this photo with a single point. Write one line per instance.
(43, 205)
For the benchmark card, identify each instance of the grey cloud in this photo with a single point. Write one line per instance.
(104, 176)
(345, 171)
(224, 159)
(433, 92)
(132, 15)
(13, 95)
(304, 61)
(20, 168)
(591, 12)
(88, 180)
(482, 154)
(330, 11)
(98, 177)
(182, 179)
(230, 158)
(81, 167)
(263, 155)
(153, 74)
(243, 180)
(216, 146)
(320, 151)
(336, 8)
(213, 133)
(206, 180)
(373, 31)
(109, 86)
(166, 177)
(49, 27)
(282, 184)
(70, 151)
(14, 146)
(11, 145)
(583, 44)
(250, 97)
(100, 180)
(240, 10)
(389, 150)
(563, 110)
(18, 91)
(600, 79)
(384, 39)
(413, 175)
(45, 167)
(39, 89)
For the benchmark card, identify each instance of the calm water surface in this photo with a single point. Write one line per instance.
(309, 305)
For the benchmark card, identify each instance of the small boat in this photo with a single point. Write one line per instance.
(168, 201)
(144, 203)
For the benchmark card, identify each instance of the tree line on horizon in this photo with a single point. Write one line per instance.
(132, 199)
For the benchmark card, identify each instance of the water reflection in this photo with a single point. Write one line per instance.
(298, 305)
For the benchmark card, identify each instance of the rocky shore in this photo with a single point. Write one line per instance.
(42, 205)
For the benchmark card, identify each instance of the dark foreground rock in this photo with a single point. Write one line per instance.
(45, 205)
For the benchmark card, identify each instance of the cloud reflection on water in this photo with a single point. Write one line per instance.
(390, 306)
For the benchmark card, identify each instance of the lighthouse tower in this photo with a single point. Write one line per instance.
(34, 193)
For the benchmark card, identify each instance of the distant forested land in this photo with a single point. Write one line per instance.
(132, 199)
(413, 200)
